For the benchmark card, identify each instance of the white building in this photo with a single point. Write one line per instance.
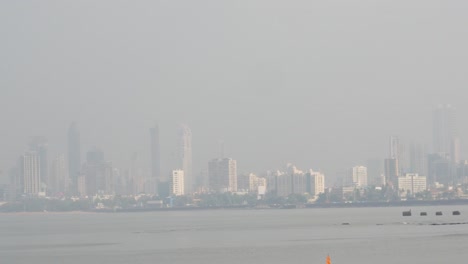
(359, 176)
(412, 183)
(31, 169)
(255, 182)
(178, 183)
(185, 157)
(316, 183)
(222, 174)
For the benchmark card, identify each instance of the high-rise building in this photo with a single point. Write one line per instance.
(442, 164)
(394, 147)
(444, 130)
(98, 174)
(185, 156)
(374, 172)
(243, 182)
(222, 174)
(15, 181)
(455, 149)
(284, 184)
(440, 170)
(39, 145)
(417, 158)
(31, 172)
(315, 183)
(58, 179)
(255, 182)
(412, 183)
(359, 176)
(155, 153)
(462, 172)
(74, 157)
(395, 152)
(177, 182)
(391, 171)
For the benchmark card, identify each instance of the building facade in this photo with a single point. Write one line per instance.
(359, 176)
(58, 179)
(444, 130)
(222, 175)
(177, 183)
(155, 159)
(74, 157)
(31, 173)
(185, 156)
(391, 171)
(412, 183)
(315, 183)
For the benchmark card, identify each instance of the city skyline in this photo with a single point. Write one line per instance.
(276, 87)
(414, 154)
(260, 131)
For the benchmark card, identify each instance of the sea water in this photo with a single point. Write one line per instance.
(349, 236)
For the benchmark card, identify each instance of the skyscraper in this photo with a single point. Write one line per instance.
(177, 182)
(359, 175)
(444, 130)
(74, 156)
(155, 179)
(155, 153)
(395, 152)
(31, 172)
(391, 171)
(446, 145)
(39, 145)
(58, 175)
(98, 174)
(222, 174)
(394, 147)
(185, 156)
(375, 172)
(417, 158)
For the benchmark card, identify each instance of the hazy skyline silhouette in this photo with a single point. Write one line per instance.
(320, 84)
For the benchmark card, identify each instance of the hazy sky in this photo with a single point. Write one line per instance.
(321, 84)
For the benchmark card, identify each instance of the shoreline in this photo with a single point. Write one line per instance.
(247, 208)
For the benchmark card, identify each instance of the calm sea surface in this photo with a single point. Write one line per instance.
(374, 235)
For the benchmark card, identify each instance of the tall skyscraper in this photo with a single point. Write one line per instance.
(446, 143)
(394, 147)
(31, 172)
(375, 172)
(156, 178)
(98, 174)
(155, 153)
(222, 174)
(395, 152)
(185, 156)
(74, 156)
(359, 175)
(39, 145)
(417, 158)
(58, 179)
(444, 130)
(455, 149)
(391, 171)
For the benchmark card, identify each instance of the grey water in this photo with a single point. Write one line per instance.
(349, 236)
